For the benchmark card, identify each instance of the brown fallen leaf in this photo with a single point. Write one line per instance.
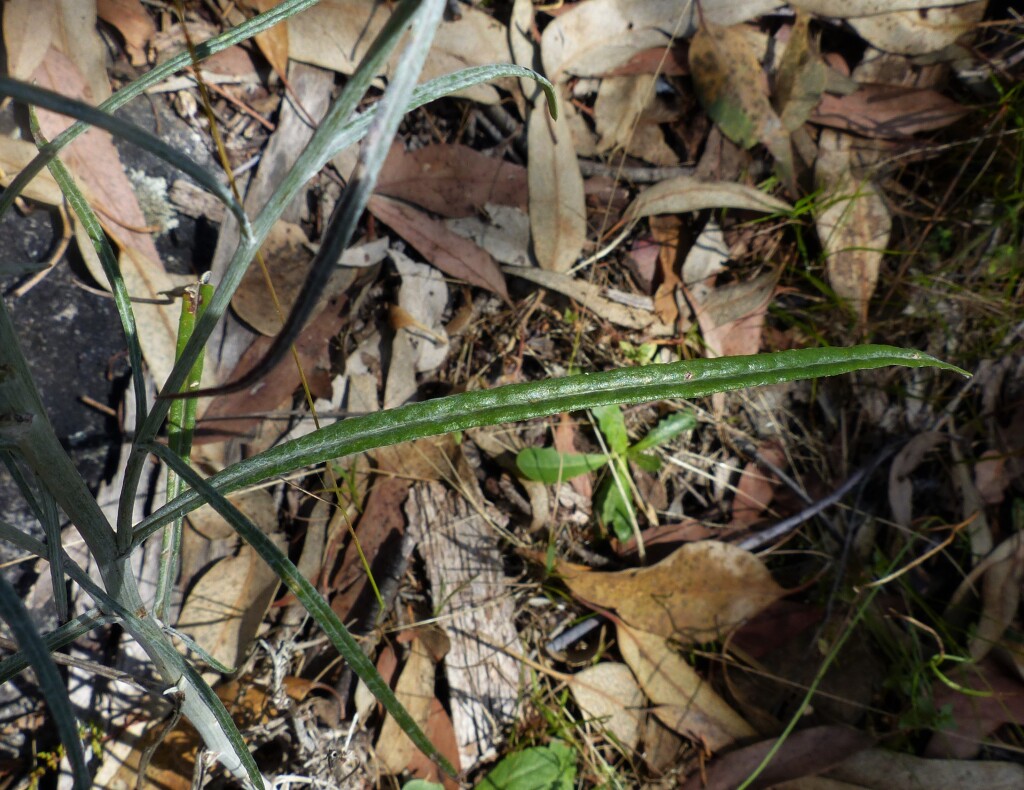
(887, 111)
(415, 691)
(854, 224)
(608, 693)
(682, 699)
(441, 733)
(901, 487)
(619, 117)
(132, 22)
(240, 413)
(336, 34)
(976, 717)
(442, 247)
(756, 487)
(696, 594)
(732, 86)
(558, 212)
(273, 42)
(887, 770)
(804, 753)
(451, 180)
(685, 193)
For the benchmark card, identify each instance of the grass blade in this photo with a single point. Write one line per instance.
(313, 602)
(181, 423)
(13, 665)
(14, 613)
(691, 379)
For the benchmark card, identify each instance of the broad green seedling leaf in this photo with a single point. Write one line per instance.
(551, 767)
(548, 465)
(615, 501)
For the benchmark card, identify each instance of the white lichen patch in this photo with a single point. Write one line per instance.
(151, 192)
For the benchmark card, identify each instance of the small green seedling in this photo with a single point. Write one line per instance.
(614, 499)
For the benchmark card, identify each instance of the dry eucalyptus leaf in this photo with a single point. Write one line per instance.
(273, 42)
(503, 231)
(133, 22)
(686, 193)
(224, 609)
(558, 213)
(336, 34)
(415, 690)
(287, 256)
(801, 79)
(681, 699)
(608, 693)
(451, 180)
(594, 298)
(849, 9)
(593, 38)
(921, 31)
(854, 226)
(444, 248)
(696, 594)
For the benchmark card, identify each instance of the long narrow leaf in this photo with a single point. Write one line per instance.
(14, 665)
(691, 379)
(14, 613)
(313, 602)
(108, 260)
(181, 425)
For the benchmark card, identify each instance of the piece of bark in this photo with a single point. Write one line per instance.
(461, 552)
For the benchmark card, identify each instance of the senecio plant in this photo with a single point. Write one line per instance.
(51, 484)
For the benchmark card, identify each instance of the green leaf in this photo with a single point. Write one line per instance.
(14, 613)
(550, 767)
(548, 465)
(615, 502)
(613, 426)
(665, 431)
(646, 461)
(422, 784)
(690, 379)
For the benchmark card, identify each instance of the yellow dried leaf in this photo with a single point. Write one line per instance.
(695, 594)
(682, 699)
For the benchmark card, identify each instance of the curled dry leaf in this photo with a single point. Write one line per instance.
(618, 115)
(880, 768)
(901, 487)
(685, 193)
(696, 594)
(608, 693)
(920, 31)
(682, 700)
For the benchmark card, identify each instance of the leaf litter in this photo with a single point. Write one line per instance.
(805, 138)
